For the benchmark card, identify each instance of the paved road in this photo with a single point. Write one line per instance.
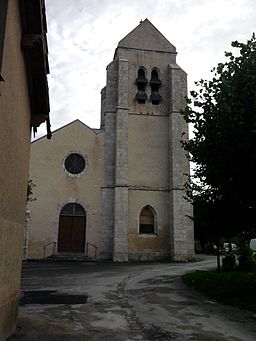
(126, 302)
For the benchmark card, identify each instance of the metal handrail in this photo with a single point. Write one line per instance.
(95, 249)
(53, 248)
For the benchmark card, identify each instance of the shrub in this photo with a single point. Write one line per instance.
(229, 262)
(247, 261)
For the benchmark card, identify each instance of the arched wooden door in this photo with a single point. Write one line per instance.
(72, 226)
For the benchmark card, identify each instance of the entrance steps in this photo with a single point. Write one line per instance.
(79, 257)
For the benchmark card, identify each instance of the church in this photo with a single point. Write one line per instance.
(117, 192)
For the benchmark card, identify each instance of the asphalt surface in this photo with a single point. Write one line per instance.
(122, 302)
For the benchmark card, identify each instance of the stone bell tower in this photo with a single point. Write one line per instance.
(145, 216)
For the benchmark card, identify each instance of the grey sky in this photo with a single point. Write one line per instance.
(83, 35)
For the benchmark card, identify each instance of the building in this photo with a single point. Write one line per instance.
(24, 104)
(121, 187)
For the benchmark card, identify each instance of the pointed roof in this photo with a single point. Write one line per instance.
(75, 122)
(146, 37)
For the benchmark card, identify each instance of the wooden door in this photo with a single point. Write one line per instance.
(71, 234)
(78, 234)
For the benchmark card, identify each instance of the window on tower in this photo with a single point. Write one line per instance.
(155, 84)
(147, 221)
(141, 81)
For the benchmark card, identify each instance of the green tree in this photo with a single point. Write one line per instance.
(223, 149)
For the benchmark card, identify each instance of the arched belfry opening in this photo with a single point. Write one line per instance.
(155, 84)
(72, 227)
(141, 81)
(147, 224)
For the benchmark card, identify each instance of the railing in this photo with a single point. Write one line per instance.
(54, 244)
(93, 246)
(53, 248)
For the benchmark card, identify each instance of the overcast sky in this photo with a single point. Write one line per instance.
(83, 35)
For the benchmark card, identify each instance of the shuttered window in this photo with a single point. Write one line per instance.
(155, 84)
(141, 81)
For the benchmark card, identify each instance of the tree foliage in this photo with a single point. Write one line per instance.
(223, 149)
(30, 187)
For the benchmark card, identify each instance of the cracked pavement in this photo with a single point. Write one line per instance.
(128, 301)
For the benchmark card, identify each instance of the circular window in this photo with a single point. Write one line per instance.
(75, 163)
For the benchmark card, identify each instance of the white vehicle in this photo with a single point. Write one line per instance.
(253, 245)
(226, 247)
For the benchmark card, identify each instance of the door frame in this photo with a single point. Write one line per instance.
(71, 210)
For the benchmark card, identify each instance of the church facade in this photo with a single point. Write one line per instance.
(119, 188)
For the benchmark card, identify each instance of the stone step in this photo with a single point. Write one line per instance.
(71, 257)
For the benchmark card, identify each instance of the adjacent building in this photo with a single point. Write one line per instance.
(119, 188)
(24, 104)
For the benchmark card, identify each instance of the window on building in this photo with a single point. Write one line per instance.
(147, 221)
(155, 84)
(74, 163)
(72, 209)
(141, 81)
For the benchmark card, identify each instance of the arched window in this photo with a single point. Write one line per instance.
(147, 220)
(141, 81)
(155, 84)
(73, 209)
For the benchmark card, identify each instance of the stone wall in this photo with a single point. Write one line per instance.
(150, 164)
(108, 114)
(14, 160)
(181, 226)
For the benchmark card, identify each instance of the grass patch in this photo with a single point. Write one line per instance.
(234, 288)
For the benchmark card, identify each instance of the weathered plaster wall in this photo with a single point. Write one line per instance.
(14, 161)
(55, 187)
(148, 151)
(151, 246)
(148, 154)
